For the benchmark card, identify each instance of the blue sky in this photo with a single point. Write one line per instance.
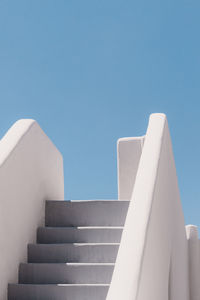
(92, 71)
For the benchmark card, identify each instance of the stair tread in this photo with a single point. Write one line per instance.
(57, 291)
(81, 227)
(57, 273)
(74, 244)
(60, 284)
(79, 234)
(73, 252)
(86, 213)
(71, 264)
(89, 200)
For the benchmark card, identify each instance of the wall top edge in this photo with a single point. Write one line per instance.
(126, 139)
(158, 115)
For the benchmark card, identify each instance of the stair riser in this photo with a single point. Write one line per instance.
(60, 253)
(74, 235)
(92, 213)
(55, 292)
(62, 273)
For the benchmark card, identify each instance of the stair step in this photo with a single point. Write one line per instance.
(53, 235)
(86, 213)
(57, 292)
(70, 273)
(77, 252)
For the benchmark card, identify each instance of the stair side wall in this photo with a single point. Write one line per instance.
(152, 261)
(31, 171)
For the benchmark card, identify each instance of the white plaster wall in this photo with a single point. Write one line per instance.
(31, 171)
(128, 156)
(194, 261)
(152, 262)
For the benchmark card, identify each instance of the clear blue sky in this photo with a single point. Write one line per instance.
(92, 71)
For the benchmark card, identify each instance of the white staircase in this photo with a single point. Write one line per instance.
(75, 253)
(81, 253)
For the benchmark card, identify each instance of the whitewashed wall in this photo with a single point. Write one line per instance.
(152, 262)
(31, 171)
(193, 261)
(129, 151)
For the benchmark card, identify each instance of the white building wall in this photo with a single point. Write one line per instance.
(129, 151)
(193, 261)
(31, 171)
(152, 262)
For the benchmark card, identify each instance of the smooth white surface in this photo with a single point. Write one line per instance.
(194, 261)
(128, 156)
(152, 262)
(31, 171)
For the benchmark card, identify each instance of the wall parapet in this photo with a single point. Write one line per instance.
(31, 171)
(152, 262)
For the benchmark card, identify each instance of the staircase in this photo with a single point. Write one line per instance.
(75, 253)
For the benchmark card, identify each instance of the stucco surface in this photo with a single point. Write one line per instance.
(31, 171)
(152, 262)
(193, 261)
(128, 156)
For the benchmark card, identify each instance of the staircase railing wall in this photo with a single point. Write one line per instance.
(152, 262)
(31, 171)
